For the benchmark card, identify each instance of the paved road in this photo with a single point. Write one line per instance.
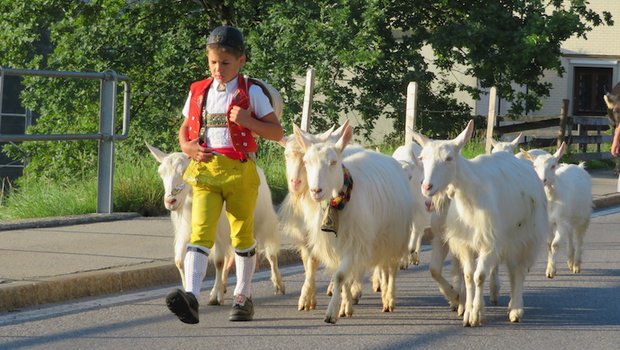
(64, 258)
(569, 312)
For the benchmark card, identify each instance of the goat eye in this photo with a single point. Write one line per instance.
(553, 167)
(332, 162)
(449, 158)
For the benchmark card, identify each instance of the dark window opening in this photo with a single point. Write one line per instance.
(590, 84)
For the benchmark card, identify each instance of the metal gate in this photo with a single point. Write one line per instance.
(107, 116)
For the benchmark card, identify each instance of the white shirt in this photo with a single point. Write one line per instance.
(218, 102)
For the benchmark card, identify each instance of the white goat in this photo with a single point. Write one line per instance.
(407, 155)
(374, 225)
(292, 218)
(178, 200)
(528, 155)
(569, 193)
(510, 146)
(453, 292)
(497, 213)
(507, 146)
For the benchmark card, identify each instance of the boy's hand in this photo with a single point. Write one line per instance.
(196, 151)
(240, 116)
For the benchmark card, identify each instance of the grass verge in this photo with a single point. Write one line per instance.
(138, 188)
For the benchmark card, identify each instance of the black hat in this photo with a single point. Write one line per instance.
(227, 36)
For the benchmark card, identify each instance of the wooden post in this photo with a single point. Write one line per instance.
(563, 121)
(582, 131)
(491, 116)
(410, 111)
(307, 108)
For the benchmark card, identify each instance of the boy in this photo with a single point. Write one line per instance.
(221, 115)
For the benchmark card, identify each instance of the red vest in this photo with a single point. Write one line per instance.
(242, 138)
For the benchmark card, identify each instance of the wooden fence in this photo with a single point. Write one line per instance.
(577, 131)
(540, 131)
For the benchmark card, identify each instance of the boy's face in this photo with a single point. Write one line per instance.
(224, 66)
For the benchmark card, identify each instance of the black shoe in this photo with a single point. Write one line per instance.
(242, 310)
(184, 305)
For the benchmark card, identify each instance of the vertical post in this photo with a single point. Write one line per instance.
(307, 108)
(491, 116)
(107, 116)
(582, 131)
(411, 111)
(563, 117)
(1, 87)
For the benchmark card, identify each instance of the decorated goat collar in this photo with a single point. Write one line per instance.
(344, 195)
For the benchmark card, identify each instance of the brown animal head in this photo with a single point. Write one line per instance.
(612, 100)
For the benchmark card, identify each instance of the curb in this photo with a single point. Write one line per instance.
(607, 200)
(64, 221)
(16, 295)
(85, 284)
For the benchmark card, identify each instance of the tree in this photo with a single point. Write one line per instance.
(508, 41)
(365, 52)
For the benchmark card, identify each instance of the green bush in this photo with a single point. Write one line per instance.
(137, 188)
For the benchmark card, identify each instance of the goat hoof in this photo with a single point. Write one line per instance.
(213, 302)
(515, 315)
(329, 319)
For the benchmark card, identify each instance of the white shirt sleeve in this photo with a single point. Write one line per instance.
(259, 102)
(186, 106)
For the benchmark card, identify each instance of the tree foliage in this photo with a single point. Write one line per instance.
(364, 53)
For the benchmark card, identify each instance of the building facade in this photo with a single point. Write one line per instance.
(592, 68)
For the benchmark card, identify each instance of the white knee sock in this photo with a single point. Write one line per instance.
(244, 270)
(195, 265)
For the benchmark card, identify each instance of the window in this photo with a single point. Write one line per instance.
(590, 84)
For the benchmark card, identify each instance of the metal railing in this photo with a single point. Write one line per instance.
(107, 117)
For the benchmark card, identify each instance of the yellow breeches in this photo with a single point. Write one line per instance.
(223, 180)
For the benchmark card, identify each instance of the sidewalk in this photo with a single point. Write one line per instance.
(58, 259)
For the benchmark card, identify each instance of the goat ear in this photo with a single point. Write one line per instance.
(338, 133)
(416, 161)
(301, 137)
(517, 140)
(419, 138)
(326, 134)
(346, 137)
(493, 143)
(610, 101)
(560, 152)
(156, 152)
(526, 155)
(465, 135)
